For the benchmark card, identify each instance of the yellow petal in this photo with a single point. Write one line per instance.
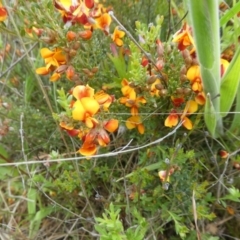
(119, 42)
(78, 112)
(141, 128)
(55, 77)
(90, 105)
(111, 125)
(60, 57)
(46, 53)
(133, 121)
(193, 72)
(187, 123)
(191, 107)
(42, 71)
(65, 4)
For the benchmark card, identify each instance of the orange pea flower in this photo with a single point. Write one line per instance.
(97, 136)
(177, 101)
(55, 77)
(135, 122)
(111, 125)
(134, 104)
(72, 11)
(191, 107)
(130, 98)
(53, 58)
(200, 98)
(173, 119)
(117, 35)
(3, 13)
(88, 149)
(153, 90)
(184, 38)
(103, 22)
(84, 110)
(193, 75)
(127, 90)
(85, 34)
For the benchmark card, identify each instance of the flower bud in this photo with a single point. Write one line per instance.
(179, 90)
(187, 91)
(71, 36)
(86, 34)
(94, 70)
(86, 71)
(70, 72)
(159, 86)
(72, 53)
(76, 45)
(151, 79)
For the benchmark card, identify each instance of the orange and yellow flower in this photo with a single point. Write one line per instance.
(103, 22)
(135, 122)
(97, 136)
(3, 13)
(173, 119)
(117, 36)
(193, 75)
(130, 98)
(54, 60)
(72, 11)
(184, 38)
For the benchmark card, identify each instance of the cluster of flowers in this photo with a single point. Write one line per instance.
(92, 15)
(190, 72)
(92, 131)
(86, 106)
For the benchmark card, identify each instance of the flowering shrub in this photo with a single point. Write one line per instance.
(129, 96)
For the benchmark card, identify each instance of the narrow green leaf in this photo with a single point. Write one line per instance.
(205, 22)
(230, 13)
(35, 223)
(32, 195)
(235, 126)
(230, 84)
(210, 116)
(28, 89)
(119, 64)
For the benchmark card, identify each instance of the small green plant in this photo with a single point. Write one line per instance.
(110, 227)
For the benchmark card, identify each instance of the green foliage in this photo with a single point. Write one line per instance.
(110, 227)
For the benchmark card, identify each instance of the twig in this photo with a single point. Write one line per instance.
(106, 155)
